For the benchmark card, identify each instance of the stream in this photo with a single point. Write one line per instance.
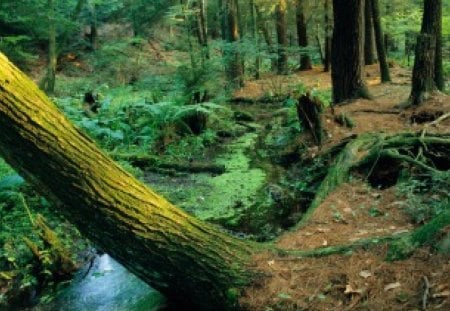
(104, 286)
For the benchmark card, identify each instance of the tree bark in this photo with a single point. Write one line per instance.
(282, 37)
(379, 38)
(423, 80)
(233, 57)
(305, 60)
(369, 57)
(348, 53)
(195, 264)
(254, 30)
(328, 36)
(439, 70)
(202, 29)
(93, 35)
(262, 26)
(50, 79)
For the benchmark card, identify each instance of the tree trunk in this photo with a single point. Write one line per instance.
(379, 38)
(282, 37)
(423, 80)
(195, 264)
(93, 35)
(305, 60)
(328, 36)
(202, 30)
(50, 79)
(77, 11)
(348, 55)
(233, 57)
(262, 26)
(254, 29)
(439, 70)
(369, 57)
(223, 18)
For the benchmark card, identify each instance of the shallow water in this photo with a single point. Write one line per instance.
(105, 286)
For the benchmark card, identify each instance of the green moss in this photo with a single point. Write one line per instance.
(234, 191)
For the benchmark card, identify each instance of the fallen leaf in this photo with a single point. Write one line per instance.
(350, 290)
(391, 286)
(348, 210)
(323, 230)
(443, 294)
(365, 274)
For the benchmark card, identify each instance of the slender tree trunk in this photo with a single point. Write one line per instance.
(379, 38)
(233, 57)
(195, 264)
(76, 13)
(202, 30)
(254, 29)
(223, 18)
(423, 80)
(282, 37)
(369, 57)
(387, 37)
(305, 60)
(93, 35)
(439, 70)
(348, 53)
(328, 36)
(264, 29)
(50, 79)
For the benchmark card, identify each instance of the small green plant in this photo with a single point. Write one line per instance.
(425, 197)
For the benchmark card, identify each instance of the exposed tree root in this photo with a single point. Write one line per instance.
(366, 150)
(404, 247)
(342, 249)
(401, 246)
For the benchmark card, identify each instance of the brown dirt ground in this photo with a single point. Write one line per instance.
(362, 280)
(352, 212)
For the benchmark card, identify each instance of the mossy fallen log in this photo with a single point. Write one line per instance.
(150, 162)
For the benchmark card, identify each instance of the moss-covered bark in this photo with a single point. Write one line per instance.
(193, 263)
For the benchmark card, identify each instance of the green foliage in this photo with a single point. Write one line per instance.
(425, 198)
(17, 49)
(19, 271)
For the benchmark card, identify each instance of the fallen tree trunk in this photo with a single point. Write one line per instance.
(193, 263)
(151, 163)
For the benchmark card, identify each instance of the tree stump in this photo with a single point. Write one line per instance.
(309, 111)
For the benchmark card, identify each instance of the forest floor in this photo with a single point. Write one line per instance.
(353, 280)
(271, 173)
(360, 279)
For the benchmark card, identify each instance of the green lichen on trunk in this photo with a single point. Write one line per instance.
(193, 263)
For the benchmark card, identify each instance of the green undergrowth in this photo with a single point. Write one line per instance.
(21, 274)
